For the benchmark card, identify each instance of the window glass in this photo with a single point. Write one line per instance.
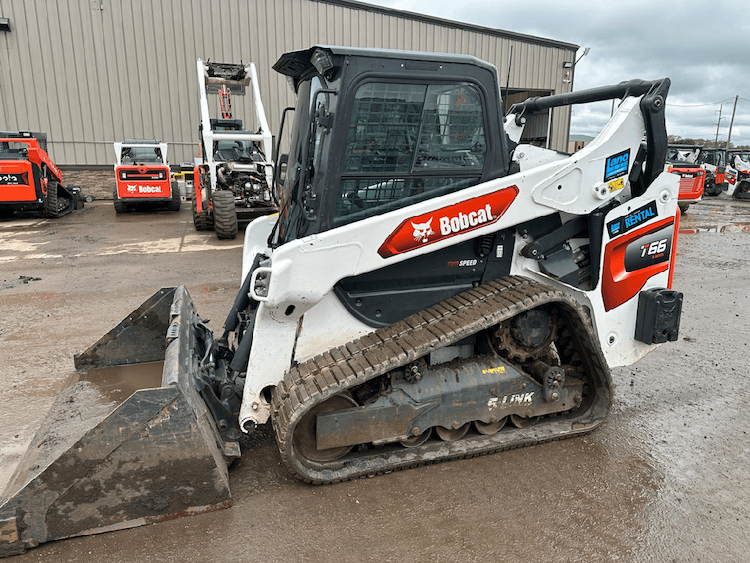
(13, 150)
(452, 129)
(407, 143)
(141, 154)
(384, 127)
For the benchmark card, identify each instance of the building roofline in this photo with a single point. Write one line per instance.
(356, 5)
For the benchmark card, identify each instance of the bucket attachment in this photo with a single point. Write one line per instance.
(122, 446)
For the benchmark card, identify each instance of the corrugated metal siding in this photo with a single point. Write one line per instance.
(90, 72)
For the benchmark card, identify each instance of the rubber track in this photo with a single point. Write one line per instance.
(352, 364)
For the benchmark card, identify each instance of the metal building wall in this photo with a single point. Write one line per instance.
(90, 72)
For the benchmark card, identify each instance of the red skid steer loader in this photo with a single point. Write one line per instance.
(431, 289)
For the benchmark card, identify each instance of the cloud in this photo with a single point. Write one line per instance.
(703, 47)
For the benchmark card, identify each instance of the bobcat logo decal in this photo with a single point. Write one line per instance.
(422, 230)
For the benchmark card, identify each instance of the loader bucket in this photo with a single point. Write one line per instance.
(108, 458)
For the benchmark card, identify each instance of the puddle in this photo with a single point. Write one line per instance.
(86, 400)
(720, 229)
(115, 384)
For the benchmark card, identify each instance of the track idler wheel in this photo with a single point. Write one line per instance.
(491, 427)
(305, 441)
(418, 440)
(452, 434)
(523, 421)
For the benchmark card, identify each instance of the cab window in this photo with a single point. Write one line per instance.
(407, 143)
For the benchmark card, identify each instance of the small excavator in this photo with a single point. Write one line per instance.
(432, 288)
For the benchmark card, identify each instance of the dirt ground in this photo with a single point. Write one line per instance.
(664, 478)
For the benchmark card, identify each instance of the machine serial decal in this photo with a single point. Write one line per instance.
(498, 369)
(449, 221)
(617, 165)
(632, 220)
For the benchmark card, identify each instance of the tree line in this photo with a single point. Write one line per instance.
(677, 140)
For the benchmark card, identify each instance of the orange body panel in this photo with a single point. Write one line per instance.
(692, 180)
(149, 181)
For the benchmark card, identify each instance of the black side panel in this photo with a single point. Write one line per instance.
(394, 292)
(37, 174)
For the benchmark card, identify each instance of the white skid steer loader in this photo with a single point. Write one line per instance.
(431, 289)
(233, 182)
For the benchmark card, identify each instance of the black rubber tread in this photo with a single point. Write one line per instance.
(120, 206)
(202, 221)
(742, 191)
(710, 189)
(352, 364)
(176, 201)
(225, 214)
(51, 203)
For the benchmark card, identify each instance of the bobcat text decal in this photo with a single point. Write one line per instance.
(132, 188)
(450, 221)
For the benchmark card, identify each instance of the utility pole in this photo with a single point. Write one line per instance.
(716, 139)
(731, 121)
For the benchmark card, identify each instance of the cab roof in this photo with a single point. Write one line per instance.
(298, 63)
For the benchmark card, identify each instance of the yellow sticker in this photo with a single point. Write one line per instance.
(499, 369)
(615, 185)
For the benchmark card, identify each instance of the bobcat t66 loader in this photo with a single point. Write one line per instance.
(30, 181)
(432, 289)
(142, 176)
(234, 181)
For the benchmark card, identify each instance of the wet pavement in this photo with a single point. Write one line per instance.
(665, 478)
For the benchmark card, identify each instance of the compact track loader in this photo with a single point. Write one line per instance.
(142, 176)
(682, 161)
(721, 175)
(432, 289)
(30, 181)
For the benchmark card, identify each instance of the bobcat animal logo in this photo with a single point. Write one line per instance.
(422, 230)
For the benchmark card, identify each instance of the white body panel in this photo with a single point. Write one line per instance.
(741, 165)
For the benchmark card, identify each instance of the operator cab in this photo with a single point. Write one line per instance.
(378, 130)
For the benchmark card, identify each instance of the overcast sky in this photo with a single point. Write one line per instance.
(702, 46)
